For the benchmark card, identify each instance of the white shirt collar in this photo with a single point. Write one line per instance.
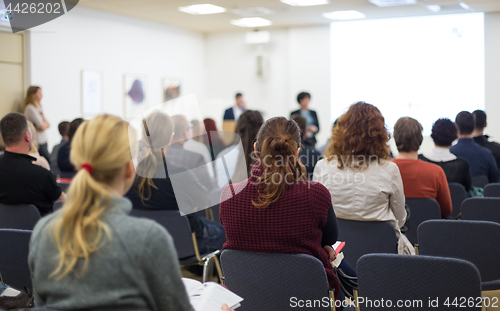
(439, 154)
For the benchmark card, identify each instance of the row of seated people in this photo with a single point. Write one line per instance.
(251, 211)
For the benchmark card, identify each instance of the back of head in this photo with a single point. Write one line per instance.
(247, 128)
(63, 128)
(30, 100)
(303, 95)
(358, 137)
(301, 122)
(444, 132)
(479, 119)
(73, 126)
(408, 134)
(13, 126)
(180, 126)
(100, 150)
(465, 123)
(277, 146)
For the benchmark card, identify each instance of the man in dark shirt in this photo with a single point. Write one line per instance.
(480, 138)
(308, 155)
(63, 163)
(21, 181)
(480, 159)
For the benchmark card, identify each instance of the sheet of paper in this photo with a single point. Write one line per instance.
(213, 297)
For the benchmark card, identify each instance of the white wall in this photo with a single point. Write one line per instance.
(115, 45)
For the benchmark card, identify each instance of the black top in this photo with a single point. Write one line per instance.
(188, 192)
(315, 122)
(309, 156)
(493, 146)
(63, 162)
(22, 182)
(330, 230)
(455, 170)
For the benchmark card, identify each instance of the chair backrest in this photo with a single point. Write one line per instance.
(421, 210)
(415, 281)
(492, 190)
(177, 225)
(22, 216)
(487, 209)
(267, 281)
(480, 181)
(366, 237)
(57, 205)
(14, 249)
(474, 241)
(458, 195)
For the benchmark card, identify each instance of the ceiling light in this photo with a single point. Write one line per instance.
(464, 6)
(434, 8)
(256, 11)
(251, 22)
(200, 9)
(344, 15)
(384, 3)
(304, 2)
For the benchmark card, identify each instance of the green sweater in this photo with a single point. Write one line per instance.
(137, 270)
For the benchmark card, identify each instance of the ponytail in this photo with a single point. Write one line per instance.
(100, 149)
(277, 145)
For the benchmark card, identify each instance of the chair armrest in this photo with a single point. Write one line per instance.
(210, 255)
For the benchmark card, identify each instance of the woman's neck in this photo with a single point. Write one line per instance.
(413, 155)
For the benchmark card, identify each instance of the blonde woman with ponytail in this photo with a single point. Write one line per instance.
(91, 254)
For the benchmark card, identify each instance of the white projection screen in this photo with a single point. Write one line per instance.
(424, 67)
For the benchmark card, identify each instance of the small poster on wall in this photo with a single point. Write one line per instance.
(91, 92)
(135, 96)
(171, 88)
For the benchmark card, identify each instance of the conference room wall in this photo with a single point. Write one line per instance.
(114, 45)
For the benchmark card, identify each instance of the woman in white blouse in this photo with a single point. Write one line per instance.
(34, 113)
(364, 184)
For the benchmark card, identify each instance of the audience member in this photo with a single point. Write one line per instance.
(153, 188)
(444, 132)
(212, 139)
(420, 179)
(63, 160)
(22, 182)
(322, 148)
(308, 155)
(363, 183)
(480, 159)
(40, 161)
(91, 254)
(194, 145)
(2, 145)
(63, 131)
(312, 119)
(178, 156)
(235, 112)
(483, 140)
(276, 210)
(34, 113)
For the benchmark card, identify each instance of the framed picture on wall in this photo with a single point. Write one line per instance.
(171, 88)
(135, 99)
(91, 92)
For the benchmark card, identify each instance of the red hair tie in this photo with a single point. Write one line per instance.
(88, 167)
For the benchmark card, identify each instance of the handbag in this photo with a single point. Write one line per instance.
(347, 283)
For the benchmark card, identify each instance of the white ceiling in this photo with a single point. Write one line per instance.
(165, 11)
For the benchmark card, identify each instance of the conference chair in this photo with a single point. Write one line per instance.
(474, 241)
(487, 209)
(268, 281)
(480, 181)
(415, 281)
(458, 195)
(492, 190)
(184, 239)
(365, 237)
(22, 216)
(421, 210)
(57, 205)
(14, 249)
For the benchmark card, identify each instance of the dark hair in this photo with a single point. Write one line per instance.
(408, 134)
(361, 132)
(465, 123)
(303, 95)
(13, 126)
(277, 143)
(63, 128)
(479, 119)
(247, 128)
(444, 132)
(301, 122)
(73, 126)
(238, 95)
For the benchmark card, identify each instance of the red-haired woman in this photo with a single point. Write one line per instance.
(212, 139)
(364, 184)
(276, 210)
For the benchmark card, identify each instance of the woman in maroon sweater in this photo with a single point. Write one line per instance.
(276, 210)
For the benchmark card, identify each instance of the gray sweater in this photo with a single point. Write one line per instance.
(137, 270)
